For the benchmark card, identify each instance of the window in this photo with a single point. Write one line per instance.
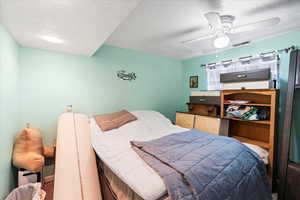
(213, 71)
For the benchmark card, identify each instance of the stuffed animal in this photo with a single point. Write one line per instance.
(29, 150)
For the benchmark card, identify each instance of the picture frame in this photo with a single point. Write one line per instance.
(193, 81)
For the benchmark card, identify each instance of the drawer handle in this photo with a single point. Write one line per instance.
(201, 100)
(241, 76)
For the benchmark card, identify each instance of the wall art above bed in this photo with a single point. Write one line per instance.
(126, 76)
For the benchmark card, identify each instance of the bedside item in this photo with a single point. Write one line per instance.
(29, 150)
(263, 113)
(243, 112)
(31, 191)
(69, 108)
(25, 177)
(237, 101)
(250, 113)
(253, 79)
(193, 81)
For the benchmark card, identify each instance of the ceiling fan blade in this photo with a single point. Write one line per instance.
(203, 37)
(255, 25)
(213, 19)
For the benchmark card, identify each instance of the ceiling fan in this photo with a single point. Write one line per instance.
(222, 26)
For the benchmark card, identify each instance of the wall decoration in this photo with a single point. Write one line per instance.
(193, 81)
(126, 76)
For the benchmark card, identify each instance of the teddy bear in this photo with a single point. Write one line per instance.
(29, 150)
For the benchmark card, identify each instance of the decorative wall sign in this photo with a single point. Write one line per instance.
(193, 81)
(126, 76)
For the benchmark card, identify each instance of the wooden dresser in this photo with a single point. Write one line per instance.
(205, 103)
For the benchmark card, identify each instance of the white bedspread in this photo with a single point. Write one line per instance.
(115, 151)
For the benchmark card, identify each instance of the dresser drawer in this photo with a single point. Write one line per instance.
(204, 109)
(252, 75)
(185, 120)
(208, 100)
(247, 85)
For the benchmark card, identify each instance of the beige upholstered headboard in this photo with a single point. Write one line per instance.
(206, 124)
(76, 175)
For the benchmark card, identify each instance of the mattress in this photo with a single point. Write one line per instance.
(114, 188)
(115, 151)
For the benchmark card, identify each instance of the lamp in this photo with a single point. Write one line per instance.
(221, 41)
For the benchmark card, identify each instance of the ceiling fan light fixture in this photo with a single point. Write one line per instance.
(221, 41)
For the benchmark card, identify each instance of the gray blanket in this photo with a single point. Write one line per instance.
(197, 165)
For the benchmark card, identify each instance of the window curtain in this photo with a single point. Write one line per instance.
(213, 71)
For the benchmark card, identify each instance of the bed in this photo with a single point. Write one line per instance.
(119, 160)
(122, 173)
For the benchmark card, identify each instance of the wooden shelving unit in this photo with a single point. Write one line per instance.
(260, 133)
(252, 121)
(264, 145)
(249, 104)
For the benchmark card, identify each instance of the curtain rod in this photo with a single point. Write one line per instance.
(247, 58)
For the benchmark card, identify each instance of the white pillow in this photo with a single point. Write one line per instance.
(152, 119)
(146, 115)
(263, 154)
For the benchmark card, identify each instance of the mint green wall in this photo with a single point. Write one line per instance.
(9, 107)
(50, 81)
(192, 67)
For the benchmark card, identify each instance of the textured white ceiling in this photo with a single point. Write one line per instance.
(153, 26)
(159, 26)
(82, 25)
